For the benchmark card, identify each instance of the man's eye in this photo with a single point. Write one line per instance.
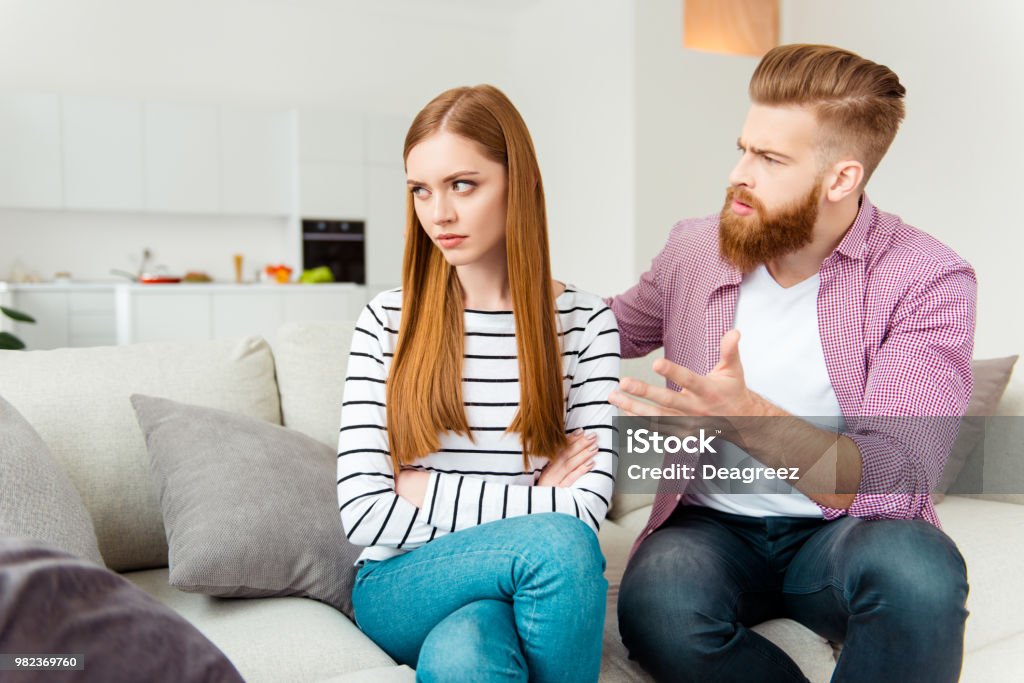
(770, 161)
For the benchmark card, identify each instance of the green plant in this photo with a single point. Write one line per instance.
(7, 340)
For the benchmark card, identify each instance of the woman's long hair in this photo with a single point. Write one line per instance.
(424, 387)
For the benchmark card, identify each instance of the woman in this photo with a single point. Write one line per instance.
(479, 514)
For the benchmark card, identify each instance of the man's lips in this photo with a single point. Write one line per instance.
(449, 240)
(741, 209)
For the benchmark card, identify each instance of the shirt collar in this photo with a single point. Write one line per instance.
(854, 242)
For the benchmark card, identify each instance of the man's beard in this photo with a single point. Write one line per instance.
(748, 241)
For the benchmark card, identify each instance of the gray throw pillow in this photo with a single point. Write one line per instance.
(37, 500)
(250, 508)
(991, 375)
(54, 603)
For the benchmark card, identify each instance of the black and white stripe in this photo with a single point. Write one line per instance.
(480, 480)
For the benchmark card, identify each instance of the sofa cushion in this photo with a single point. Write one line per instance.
(311, 359)
(249, 508)
(38, 500)
(991, 377)
(77, 399)
(272, 640)
(54, 603)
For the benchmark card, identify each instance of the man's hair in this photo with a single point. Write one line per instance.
(858, 103)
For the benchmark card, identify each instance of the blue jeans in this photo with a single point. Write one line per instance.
(517, 599)
(892, 591)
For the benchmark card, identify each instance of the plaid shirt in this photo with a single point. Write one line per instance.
(896, 313)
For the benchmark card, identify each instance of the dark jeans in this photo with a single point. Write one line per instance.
(891, 591)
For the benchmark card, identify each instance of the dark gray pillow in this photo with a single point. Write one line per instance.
(37, 500)
(991, 375)
(52, 602)
(250, 508)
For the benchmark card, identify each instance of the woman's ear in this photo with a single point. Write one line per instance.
(845, 179)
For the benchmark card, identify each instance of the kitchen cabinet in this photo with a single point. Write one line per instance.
(332, 189)
(242, 313)
(65, 315)
(162, 315)
(258, 161)
(385, 139)
(154, 313)
(103, 153)
(331, 135)
(182, 159)
(385, 225)
(30, 152)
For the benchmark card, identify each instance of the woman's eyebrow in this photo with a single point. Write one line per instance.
(453, 176)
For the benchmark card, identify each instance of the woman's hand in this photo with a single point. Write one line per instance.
(412, 485)
(572, 462)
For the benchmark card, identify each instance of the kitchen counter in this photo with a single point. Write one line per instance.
(177, 286)
(121, 312)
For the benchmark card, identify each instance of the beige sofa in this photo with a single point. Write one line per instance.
(77, 399)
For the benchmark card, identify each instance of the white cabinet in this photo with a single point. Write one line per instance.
(332, 189)
(332, 172)
(163, 317)
(325, 304)
(257, 161)
(182, 162)
(30, 156)
(194, 312)
(102, 147)
(331, 135)
(385, 139)
(50, 310)
(385, 225)
(244, 313)
(64, 316)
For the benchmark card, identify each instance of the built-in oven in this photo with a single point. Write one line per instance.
(338, 244)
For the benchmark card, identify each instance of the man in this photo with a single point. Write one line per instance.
(845, 312)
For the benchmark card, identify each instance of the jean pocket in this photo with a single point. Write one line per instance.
(365, 569)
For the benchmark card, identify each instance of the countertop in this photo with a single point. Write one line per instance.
(179, 286)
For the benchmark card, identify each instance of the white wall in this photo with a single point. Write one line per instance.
(952, 170)
(573, 80)
(566, 64)
(689, 109)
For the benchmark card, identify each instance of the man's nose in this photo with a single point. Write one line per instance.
(740, 174)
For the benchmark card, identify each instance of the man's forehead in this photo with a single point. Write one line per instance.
(785, 128)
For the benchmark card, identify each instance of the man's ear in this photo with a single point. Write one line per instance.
(844, 179)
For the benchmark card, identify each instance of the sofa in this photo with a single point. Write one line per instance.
(78, 402)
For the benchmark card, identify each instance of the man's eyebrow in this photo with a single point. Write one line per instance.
(453, 176)
(758, 150)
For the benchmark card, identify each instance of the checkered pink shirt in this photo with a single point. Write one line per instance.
(896, 311)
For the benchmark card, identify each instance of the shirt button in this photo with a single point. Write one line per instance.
(679, 497)
(649, 532)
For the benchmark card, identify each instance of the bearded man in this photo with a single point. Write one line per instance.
(845, 313)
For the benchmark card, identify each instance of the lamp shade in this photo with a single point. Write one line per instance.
(738, 27)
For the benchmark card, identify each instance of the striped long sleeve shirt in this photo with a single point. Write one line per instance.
(480, 480)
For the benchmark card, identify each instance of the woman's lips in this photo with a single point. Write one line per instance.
(741, 209)
(448, 241)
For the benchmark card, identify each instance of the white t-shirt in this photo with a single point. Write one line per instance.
(783, 361)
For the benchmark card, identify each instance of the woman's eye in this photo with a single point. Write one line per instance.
(418, 191)
(462, 185)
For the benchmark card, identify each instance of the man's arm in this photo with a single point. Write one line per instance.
(640, 312)
(893, 452)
